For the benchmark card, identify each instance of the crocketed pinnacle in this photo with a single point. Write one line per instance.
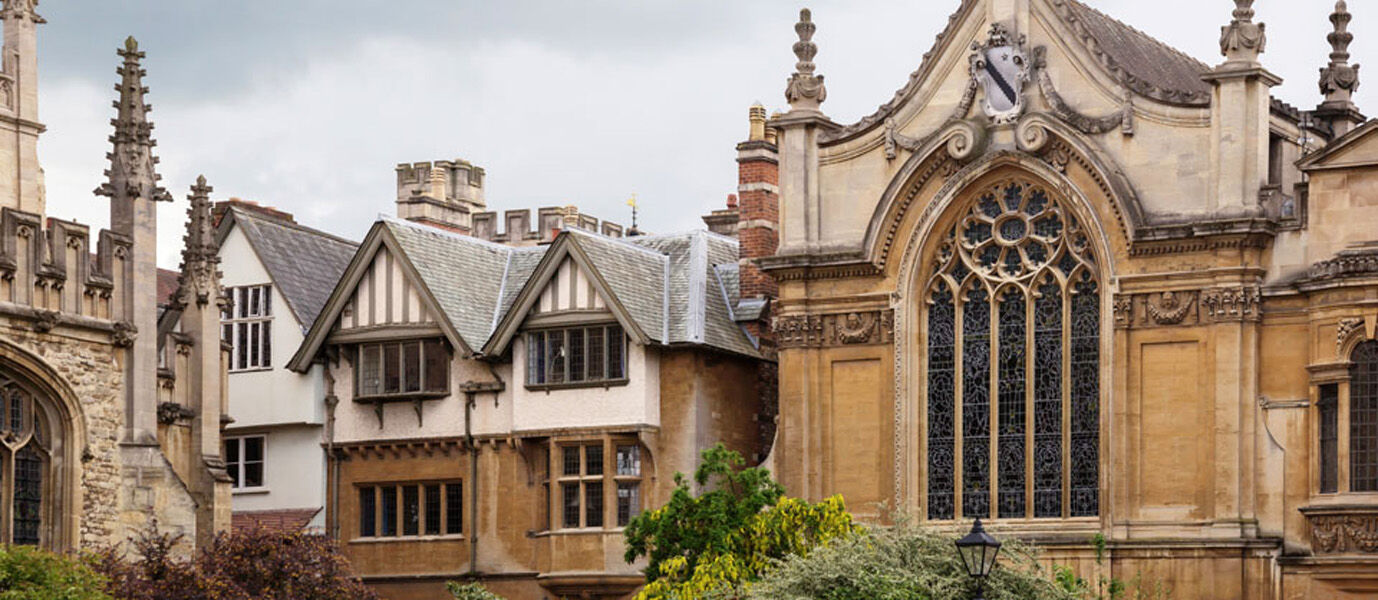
(1339, 80)
(199, 280)
(132, 174)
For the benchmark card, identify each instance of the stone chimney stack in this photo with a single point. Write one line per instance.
(21, 185)
(1339, 79)
(442, 193)
(723, 221)
(132, 187)
(758, 192)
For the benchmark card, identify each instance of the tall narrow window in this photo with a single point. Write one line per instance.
(454, 508)
(368, 511)
(1329, 408)
(1363, 418)
(976, 404)
(433, 509)
(1017, 348)
(27, 478)
(248, 325)
(941, 467)
(389, 525)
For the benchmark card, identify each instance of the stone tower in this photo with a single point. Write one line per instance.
(21, 179)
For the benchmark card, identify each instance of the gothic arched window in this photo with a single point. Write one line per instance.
(1363, 418)
(1013, 362)
(25, 460)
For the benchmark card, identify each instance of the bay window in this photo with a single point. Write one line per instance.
(412, 367)
(576, 356)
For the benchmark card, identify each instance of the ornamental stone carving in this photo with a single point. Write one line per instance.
(805, 90)
(1186, 307)
(124, 334)
(1243, 37)
(1344, 330)
(843, 329)
(1343, 529)
(1169, 308)
(1231, 304)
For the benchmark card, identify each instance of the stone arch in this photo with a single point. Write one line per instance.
(66, 430)
(914, 272)
(954, 149)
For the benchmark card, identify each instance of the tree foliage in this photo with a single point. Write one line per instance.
(31, 574)
(714, 544)
(470, 591)
(903, 562)
(256, 565)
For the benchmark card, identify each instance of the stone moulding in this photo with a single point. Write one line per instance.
(839, 329)
(1346, 329)
(1186, 307)
(1346, 529)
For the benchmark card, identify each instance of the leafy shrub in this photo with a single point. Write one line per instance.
(32, 574)
(715, 544)
(903, 562)
(257, 565)
(470, 591)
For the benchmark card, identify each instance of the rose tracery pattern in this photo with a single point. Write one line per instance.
(1016, 269)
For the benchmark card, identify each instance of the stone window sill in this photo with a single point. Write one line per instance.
(408, 538)
(549, 387)
(250, 491)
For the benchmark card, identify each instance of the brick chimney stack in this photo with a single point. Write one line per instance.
(758, 193)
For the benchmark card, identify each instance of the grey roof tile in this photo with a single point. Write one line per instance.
(305, 263)
(1148, 65)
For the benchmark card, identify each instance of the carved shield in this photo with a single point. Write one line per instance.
(1001, 71)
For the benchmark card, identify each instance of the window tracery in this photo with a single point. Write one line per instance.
(25, 459)
(1013, 330)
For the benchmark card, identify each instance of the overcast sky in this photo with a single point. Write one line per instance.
(307, 105)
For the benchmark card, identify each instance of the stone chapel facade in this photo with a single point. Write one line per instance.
(1072, 281)
(110, 393)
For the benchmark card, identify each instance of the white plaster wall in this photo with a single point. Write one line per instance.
(277, 395)
(293, 470)
(636, 403)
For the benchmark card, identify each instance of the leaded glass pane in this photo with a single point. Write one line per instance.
(976, 404)
(1330, 437)
(1048, 402)
(28, 496)
(941, 353)
(1013, 328)
(1363, 418)
(1085, 397)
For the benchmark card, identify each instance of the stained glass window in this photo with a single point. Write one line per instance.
(25, 454)
(1018, 348)
(1363, 418)
(941, 351)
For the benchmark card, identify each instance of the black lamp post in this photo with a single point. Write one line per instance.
(978, 550)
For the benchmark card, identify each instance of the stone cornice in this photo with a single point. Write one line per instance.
(1187, 307)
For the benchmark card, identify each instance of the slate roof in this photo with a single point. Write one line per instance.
(1145, 64)
(668, 284)
(305, 263)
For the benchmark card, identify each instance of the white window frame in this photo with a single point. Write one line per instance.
(248, 327)
(238, 483)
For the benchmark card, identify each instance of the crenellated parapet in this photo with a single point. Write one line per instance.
(51, 272)
(517, 226)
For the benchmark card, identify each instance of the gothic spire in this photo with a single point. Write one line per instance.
(132, 174)
(1243, 39)
(199, 280)
(1339, 80)
(805, 90)
(21, 9)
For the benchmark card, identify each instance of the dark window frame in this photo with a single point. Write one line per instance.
(550, 357)
(441, 519)
(372, 372)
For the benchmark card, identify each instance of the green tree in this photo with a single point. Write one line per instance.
(903, 562)
(714, 544)
(31, 574)
(470, 591)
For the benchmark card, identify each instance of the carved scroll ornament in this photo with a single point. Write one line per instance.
(843, 329)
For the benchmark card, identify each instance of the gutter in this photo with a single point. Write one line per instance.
(471, 390)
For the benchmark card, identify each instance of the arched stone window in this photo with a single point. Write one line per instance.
(1363, 417)
(1013, 361)
(27, 468)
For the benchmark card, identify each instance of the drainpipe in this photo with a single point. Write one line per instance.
(471, 391)
(331, 401)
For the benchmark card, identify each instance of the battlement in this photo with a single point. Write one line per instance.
(549, 221)
(443, 193)
(48, 273)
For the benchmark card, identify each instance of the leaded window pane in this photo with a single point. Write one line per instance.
(1085, 382)
(976, 404)
(1016, 238)
(1048, 402)
(28, 496)
(941, 377)
(1013, 328)
(1330, 437)
(1363, 418)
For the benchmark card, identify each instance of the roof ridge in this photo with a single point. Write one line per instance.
(447, 233)
(1149, 37)
(240, 212)
(619, 241)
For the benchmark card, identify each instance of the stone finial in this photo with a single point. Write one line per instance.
(199, 280)
(1339, 79)
(805, 90)
(1243, 40)
(132, 174)
(21, 9)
